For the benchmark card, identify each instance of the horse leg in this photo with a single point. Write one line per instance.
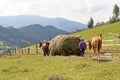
(47, 53)
(94, 53)
(44, 53)
(98, 55)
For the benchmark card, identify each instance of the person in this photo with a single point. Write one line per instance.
(82, 46)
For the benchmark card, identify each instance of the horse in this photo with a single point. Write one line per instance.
(95, 43)
(45, 47)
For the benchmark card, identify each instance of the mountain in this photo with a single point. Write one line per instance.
(23, 20)
(18, 37)
(12, 37)
(39, 32)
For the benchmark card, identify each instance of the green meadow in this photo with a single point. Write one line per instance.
(37, 67)
(104, 30)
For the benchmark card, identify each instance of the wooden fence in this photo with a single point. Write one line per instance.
(24, 50)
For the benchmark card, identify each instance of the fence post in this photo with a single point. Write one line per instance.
(22, 51)
(9, 50)
(37, 49)
(28, 50)
(25, 50)
(29, 47)
(19, 51)
(15, 50)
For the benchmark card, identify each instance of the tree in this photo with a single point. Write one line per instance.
(100, 24)
(91, 23)
(116, 11)
(112, 19)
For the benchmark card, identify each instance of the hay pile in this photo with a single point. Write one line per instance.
(64, 45)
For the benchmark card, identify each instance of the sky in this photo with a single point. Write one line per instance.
(75, 10)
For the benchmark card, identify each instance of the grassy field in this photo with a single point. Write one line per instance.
(37, 67)
(113, 28)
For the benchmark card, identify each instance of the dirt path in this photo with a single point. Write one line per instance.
(110, 44)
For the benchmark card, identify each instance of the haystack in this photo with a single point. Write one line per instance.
(64, 45)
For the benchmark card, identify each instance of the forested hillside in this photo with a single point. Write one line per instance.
(18, 37)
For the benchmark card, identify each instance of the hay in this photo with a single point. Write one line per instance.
(64, 45)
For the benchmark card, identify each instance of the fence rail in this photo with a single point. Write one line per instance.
(24, 50)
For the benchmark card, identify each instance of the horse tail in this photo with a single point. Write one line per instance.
(99, 45)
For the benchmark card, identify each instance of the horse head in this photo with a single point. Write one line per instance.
(40, 43)
(89, 43)
(43, 44)
(100, 35)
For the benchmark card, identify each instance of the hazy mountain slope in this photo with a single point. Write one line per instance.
(23, 20)
(23, 36)
(38, 32)
(12, 36)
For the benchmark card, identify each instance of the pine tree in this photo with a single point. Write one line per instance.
(91, 23)
(116, 11)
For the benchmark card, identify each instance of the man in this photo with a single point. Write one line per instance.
(82, 46)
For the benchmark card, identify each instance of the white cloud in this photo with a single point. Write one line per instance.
(77, 10)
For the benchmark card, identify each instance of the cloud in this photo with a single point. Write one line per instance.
(77, 10)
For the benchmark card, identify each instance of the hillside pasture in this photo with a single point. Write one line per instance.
(33, 66)
(104, 30)
(37, 67)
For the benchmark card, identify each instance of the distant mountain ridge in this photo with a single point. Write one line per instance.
(24, 20)
(19, 37)
(40, 32)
